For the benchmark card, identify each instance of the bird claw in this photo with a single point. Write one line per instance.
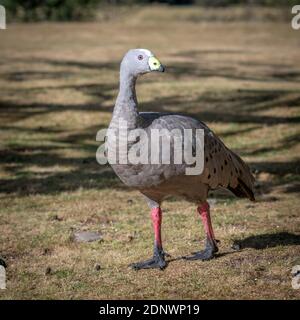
(206, 254)
(154, 263)
(157, 262)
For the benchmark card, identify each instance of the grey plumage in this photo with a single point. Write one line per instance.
(222, 167)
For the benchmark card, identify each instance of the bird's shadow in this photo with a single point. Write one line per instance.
(261, 241)
(268, 240)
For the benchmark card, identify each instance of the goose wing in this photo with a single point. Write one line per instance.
(222, 167)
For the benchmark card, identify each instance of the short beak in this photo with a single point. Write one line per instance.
(161, 68)
(155, 65)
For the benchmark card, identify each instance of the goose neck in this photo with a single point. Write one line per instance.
(126, 104)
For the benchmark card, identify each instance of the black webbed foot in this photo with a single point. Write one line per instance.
(206, 254)
(157, 261)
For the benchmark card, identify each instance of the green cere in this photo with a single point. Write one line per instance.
(154, 63)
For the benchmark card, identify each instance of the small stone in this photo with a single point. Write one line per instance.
(48, 271)
(56, 218)
(130, 237)
(46, 251)
(87, 236)
(236, 247)
(97, 267)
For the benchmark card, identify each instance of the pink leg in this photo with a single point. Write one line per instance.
(158, 260)
(156, 216)
(211, 243)
(206, 220)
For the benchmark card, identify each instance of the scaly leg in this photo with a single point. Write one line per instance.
(158, 259)
(211, 243)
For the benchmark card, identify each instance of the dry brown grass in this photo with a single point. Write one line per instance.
(58, 85)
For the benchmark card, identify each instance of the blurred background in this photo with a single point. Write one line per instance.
(66, 10)
(233, 64)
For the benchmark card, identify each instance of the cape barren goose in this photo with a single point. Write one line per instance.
(222, 167)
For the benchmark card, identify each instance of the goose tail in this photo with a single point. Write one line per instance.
(245, 185)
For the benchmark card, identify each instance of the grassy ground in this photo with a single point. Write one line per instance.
(58, 85)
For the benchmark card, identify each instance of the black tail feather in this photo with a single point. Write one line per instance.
(242, 191)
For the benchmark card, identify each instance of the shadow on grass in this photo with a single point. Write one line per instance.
(268, 240)
(262, 241)
(237, 107)
(198, 66)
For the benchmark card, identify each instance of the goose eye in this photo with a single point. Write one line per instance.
(140, 57)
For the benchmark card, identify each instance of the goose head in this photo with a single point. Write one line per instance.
(140, 61)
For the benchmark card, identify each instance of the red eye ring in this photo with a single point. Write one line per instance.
(140, 57)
